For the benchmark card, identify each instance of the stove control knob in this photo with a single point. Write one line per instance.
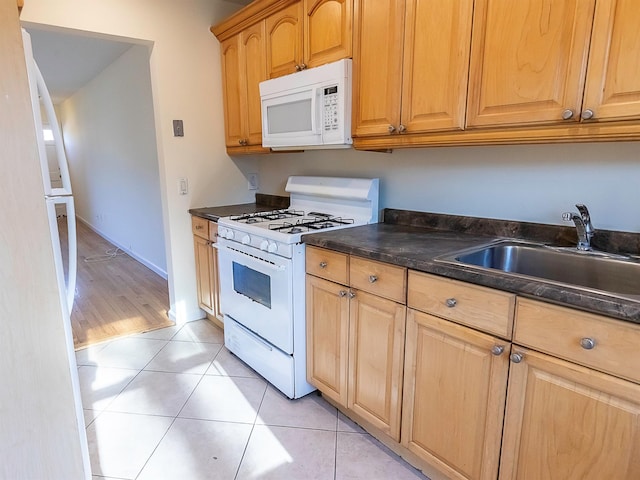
(229, 235)
(272, 248)
(264, 245)
(246, 240)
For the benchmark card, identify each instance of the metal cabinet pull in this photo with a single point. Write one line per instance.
(373, 279)
(587, 343)
(298, 68)
(587, 114)
(323, 264)
(303, 66)
(497, 350)
(516, 357)
(352, 295)
(199, 227)
(391, 129)
(567, 114)
(342, 293)
(401, 128)
(451, 302)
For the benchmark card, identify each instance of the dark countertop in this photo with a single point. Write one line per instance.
(416, 240)
(263, 203)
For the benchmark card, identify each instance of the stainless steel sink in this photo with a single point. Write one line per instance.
(612, 274)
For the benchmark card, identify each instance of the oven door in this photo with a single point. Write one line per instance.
(256, 290)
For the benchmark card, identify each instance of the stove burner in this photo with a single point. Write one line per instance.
(304, 225)
(267, 216)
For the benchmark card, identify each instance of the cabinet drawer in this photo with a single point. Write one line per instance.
(382, 279)
(478, 307)
(560, 331)
(200, 227)
(327, 264)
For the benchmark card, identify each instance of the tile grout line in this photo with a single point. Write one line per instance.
(244, 451)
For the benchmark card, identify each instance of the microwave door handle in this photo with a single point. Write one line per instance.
(316, 107)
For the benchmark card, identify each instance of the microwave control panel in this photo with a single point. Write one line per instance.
(330, 95)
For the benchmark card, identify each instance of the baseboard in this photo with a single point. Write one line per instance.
(142, 260)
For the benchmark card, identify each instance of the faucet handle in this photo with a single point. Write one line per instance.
(568, 216)
(586, 218)
(584, 212)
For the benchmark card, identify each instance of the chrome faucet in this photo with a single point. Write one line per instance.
(583, 226)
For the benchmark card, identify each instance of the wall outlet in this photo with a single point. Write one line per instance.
(253, 181)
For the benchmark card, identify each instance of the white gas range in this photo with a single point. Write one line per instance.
(262, 273)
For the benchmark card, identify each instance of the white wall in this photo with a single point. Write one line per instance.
(41, 429)
(186, 84)
(110, 141)
(534, 183)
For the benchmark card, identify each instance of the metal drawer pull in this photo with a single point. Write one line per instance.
(199, 227)
(516, 357)
(587, 343)
(451, 302)
(373, 279)
(342, 293)
(497, 350)
(323, 264)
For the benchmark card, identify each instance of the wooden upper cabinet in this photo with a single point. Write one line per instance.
(243, 67)
(377, 69)
(307, 34)
(328, 31)
(231, 89)
(284, 41)
(612, 90)
(437, 38)
(255, 71)
(411, 65)
(528, 61)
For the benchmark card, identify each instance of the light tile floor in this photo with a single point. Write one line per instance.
(174, 404)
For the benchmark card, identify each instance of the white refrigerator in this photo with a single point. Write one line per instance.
(55, 173)
(58, 198)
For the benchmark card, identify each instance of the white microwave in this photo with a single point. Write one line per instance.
(310, 109)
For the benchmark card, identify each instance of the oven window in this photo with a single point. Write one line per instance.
(255, 285)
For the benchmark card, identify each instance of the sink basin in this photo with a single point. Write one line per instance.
(612, 274)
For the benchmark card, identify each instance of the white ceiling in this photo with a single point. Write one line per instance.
(68, 60)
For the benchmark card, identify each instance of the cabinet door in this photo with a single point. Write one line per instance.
(612, 90)
(255, 71)
(437, 41)
(376, 356)
(566, 422)
(528, 61)
(203, 273)
(284, 40)
(232, 91)
(377, 69)
(454, 394)
(327, 337)
(327, 31)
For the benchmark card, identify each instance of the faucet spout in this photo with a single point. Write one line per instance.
(584, 228)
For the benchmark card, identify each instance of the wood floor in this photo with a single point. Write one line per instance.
(115, 295)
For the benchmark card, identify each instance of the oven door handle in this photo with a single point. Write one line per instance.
(265, 263)
(252, 335)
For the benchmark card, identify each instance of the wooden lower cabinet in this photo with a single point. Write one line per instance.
(567, 422)
(207, 275)
(454, 394)
(355, 339)
(327, 337)
(376, 356)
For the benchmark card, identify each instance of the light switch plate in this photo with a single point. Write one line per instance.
(183, 186)
(178, 128)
